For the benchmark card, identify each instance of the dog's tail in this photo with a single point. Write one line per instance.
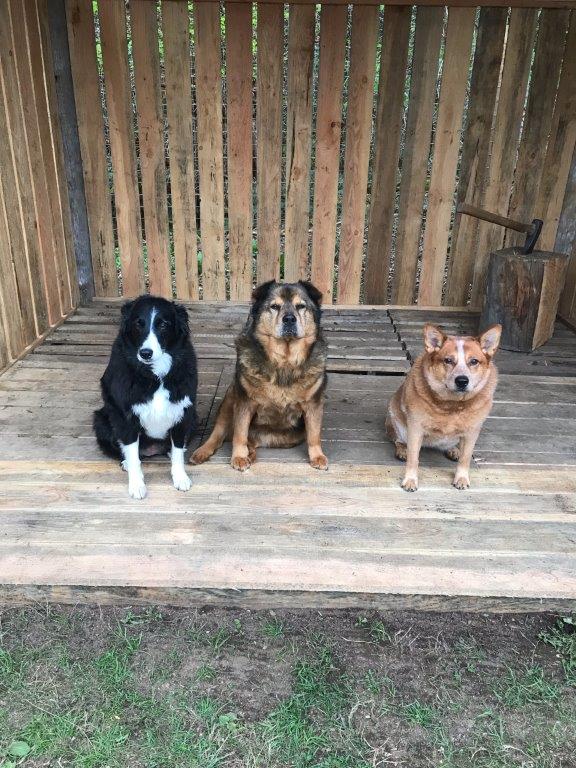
(104, 434)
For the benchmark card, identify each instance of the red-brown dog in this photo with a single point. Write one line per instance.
(444, 401)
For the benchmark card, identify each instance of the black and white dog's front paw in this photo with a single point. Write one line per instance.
(136, 485)
(180, 479)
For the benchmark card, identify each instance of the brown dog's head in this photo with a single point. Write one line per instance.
(286, 311)
(459, 365)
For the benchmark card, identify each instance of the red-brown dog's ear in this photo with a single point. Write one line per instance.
(490, 339)
(433, 338)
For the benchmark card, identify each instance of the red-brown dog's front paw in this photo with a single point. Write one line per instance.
(200, 455)
(240, 463)
(319, 462)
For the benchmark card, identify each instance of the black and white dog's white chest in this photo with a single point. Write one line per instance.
(158, 415)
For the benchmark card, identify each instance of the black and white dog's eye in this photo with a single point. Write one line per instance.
(140, 323)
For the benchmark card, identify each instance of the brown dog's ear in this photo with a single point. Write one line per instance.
(261, 291)
(490, 339)
(312, 291)
(433, 338)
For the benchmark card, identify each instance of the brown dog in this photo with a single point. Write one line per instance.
(444, 401)
(277, 397)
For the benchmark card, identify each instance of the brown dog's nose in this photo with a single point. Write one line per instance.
(289, 318)
(461, 382)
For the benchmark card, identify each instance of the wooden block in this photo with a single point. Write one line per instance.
(522, 293)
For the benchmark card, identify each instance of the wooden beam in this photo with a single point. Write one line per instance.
(71, 145)
(451, 4)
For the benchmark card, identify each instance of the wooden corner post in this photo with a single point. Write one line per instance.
(71, 146)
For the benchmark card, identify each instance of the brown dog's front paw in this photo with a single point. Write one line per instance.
(410, 484)
(200, 455)
(401, 452)
(240, 463)
(453, 454)
(461, 482)
(319, 462)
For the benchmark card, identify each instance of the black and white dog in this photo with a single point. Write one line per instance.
(149, 390)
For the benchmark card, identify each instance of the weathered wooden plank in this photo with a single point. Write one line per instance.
(119, 102)
(270, 31)
(240, 147)
(446, 149)
(455, 3)
(357, 154)
(391, 85)
(91, 133)
(560, 146)
(31, 100)
(18, 193)
(175, 25)
(416, 151)
(538, 118)
(144, 23)
(333, 21)
(505, 138)
(566, 242)
(72, 277)
(10, 314)
(475, 150)
(298, 140)
(210, 151)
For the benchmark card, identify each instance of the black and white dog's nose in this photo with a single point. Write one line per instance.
(146, 353)
(461, 382)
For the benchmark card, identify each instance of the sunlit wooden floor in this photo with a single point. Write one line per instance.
(283, 533)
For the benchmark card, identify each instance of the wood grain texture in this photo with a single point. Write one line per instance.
(210, 148)
(239, 64)
(475, 149)
(537, 123)
(31, 100)
(82, 45)
(10, 315)
(505, 138)
(270, 31)
(560, 146)
(389, 118)
(175, 23)
(446, 150)
(18, 191)
(65, 256)
(119, 102)
(333, 20)
(144, 23)
(455, 3)
(416, 152)
(357, 154)
(54, 180)
(566, 243)
(298, 140)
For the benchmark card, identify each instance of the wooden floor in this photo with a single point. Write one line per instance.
(284, 534)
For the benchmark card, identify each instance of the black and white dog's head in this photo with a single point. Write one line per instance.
(152, 330)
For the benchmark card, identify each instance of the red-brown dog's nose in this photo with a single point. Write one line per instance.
(461, 382)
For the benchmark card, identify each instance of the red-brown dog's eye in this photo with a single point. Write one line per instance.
(448, 360)
(473, 361)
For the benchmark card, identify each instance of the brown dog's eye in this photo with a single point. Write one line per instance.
(275, 307)
(448, 361)
(473, 361)
(300, 306)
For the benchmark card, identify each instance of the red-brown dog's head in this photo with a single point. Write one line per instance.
(459, 365)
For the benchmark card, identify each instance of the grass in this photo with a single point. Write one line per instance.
(149, 689)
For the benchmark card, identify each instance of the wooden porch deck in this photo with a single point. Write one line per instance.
(284, 534)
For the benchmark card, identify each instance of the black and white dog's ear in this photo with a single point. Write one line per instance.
(125, 314)
(182, 325)
(312, 291)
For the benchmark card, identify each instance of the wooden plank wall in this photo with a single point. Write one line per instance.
(329, 142)
(38, 285)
